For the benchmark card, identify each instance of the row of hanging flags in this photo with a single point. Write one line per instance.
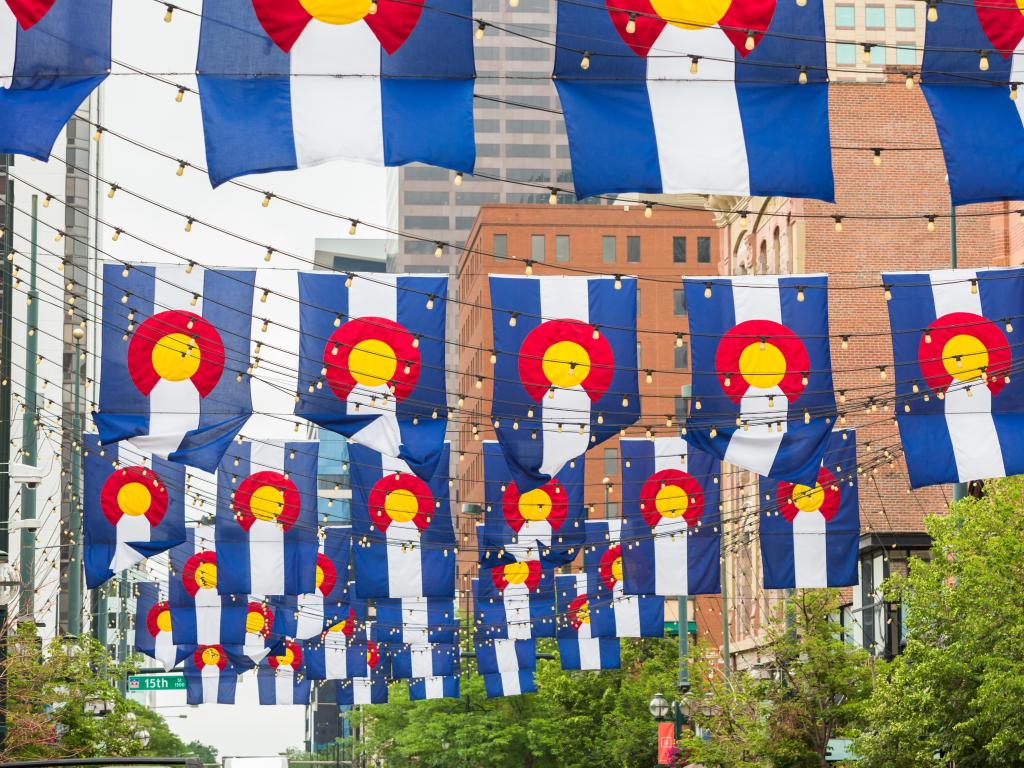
(267, 588)
(287, 84)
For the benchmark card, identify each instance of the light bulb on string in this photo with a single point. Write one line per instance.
(631, 23)
(750, 42)
(877, 157)
(909, 82)
(838, 223)
(802, 78)
(585, 61)
(694, 65)
(180, 95)
(169, 15)
(438, 250)
(933, 10)
(983, 61)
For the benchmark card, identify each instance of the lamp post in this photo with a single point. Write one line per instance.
(675, 712)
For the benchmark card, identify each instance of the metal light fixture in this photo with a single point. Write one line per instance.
(659, 707)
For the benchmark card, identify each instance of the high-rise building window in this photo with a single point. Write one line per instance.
(703, 250)
(499, 246)
(846, 56)
(906, 54)
(537, 248)
(633, 249)
(611, 461)
(879, 56)
(845, 17)
(679, 250)
(562, 248)
(874, 17)
(608, 249)
(527, 150)
(906, 17)
(678, 301)
(682, 356)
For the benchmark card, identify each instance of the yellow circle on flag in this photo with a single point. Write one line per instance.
(964, 356)
(176, 357)
(692, 14)
(672, 501)
(535, 504)
(517, 573)
(266, 503)
(372, 362)
(287, 658)
(617, 568)
(211, 656)
(808, 499)
(336, 11)
(401, 505)
(583, 612)
(339, 627)
(763, 367)
(255, 622)
(163, 621)
(566, 364)
(319, 576)
(206, 576)
(134, 499)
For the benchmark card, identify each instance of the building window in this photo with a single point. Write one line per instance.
(846, 55)
(845, 17)
(499, 245)
(879, 56)
(633, 249)
(611, 461)
(421, 197)
(426, 222)
(678, 301)
(906, 17)
(611, 509)
(561, 248)
(682, 405)
(703, 250)
(874, 17)
(528, 126)
(906, 54)
(639, 355)
(537, 248)
(679, 250)
(527, 150)
(608, 249)
(682, 357)
(487, 126)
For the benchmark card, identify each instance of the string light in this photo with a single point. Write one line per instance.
(846, 342)
(933, 10)
(188, 224)
(1013, 91)
(877, 159)
(679, 340)
(631, 24)
(694, 66)
(112, 191)
(181, 168)
(266, 199)
(909, 82)
(585, 61)
(117, 235)
(888, 292)
(648, 210)
(169, 16)
(802, 79)
(983, 61)
(180, 95)
(438, 250)
(269, 254)
(529, 267)
(99, 133)
(931, 223)
(458, 179)
(47, 200)
(707, 293)
(839, 223)
(552, 196)
(373, 7)
(750, 42)
(866, 54)
(481, 30)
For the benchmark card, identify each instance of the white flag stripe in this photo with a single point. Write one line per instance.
(266, 537)
(8, 44)
(810, 562)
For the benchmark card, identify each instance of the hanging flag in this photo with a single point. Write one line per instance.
(210, 676)
(434, 688)
(515, 601)
(511, 683)
(175, 355)
(417, 620)
(423, 660)
(372, 361)
(963, 95)
(267, 518)
(494, 657)
(134, 508)
(282, 680)
(199, 615)
(810, 534)
(339, 654)
(53, 54)
(294, 84)
(671, 518)
(306, 616)
(545, 523)
(373, 688)
(577, 647)
(153, 627)
(959, 409)
(565, 377)
(753, 70)
(613, 613)
(262, 638)
(762, 373)
(404, 539)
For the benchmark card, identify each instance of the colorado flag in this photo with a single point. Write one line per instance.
(423, 660)
(417, 620)
(426, 688)
(210, 676)
(153, 627)
(404, 539)
(809, 534)
(671, 518)
(762, 372)
(371, 361)
(199, 615)
(53, 54)
(281, 679)
(960, 402)
(515, 601)
(649, 68)
(963, 97)
(340, 653)
(373, 687)
(267, 518)
(577, 648)
(496, 656)
(294, 83)
(565, 377)
(175, 355)
(134, 508)
(613, 613)
(545, 523)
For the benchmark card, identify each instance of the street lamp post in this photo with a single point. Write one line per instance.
(675, 712)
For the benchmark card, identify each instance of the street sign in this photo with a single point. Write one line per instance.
(156, 682)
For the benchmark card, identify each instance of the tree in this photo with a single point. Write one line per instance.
(814, 687)
(955, 693)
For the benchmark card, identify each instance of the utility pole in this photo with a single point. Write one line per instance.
(75, 516)
(726, 660)
(683, 609)
(29, 453)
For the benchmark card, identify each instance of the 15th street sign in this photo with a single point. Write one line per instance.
(156, 682)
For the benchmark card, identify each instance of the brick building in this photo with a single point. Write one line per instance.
(793, 236)
(595, 239)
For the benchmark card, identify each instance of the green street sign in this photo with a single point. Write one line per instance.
(156, 682)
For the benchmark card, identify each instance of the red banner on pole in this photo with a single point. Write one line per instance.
(666, 740)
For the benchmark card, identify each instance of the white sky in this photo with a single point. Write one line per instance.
(146, 110)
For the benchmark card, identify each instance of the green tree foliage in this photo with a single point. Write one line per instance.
(812, 686)
(575, 720)
(956, 692)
